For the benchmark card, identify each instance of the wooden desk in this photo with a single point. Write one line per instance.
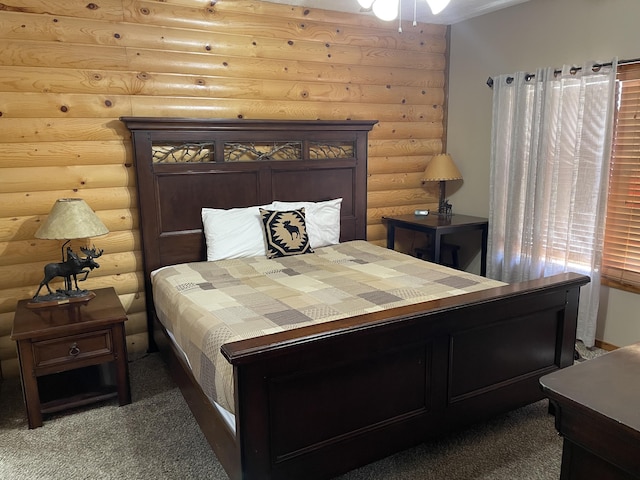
(597, 408)
(436, 226)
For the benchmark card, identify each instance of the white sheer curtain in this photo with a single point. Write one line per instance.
(550, 146)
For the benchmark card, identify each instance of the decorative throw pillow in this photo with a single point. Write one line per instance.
(285, 232)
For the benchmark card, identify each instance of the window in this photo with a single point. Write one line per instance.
(621, 256)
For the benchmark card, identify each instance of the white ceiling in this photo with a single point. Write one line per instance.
(456, 11)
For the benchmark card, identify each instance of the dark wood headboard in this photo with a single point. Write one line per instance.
(185, 164)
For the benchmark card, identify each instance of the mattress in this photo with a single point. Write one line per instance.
(207, 304)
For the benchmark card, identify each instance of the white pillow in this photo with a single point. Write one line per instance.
(234, 233)
(322, 219)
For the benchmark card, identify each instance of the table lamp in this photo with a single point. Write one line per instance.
(69, 219)
(440, 169)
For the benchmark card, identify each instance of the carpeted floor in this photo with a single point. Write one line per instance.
(155, 437)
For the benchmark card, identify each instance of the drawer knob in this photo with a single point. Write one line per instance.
(74, 350)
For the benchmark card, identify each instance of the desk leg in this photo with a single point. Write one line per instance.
(437, 240)
(122, 367)
(30, 390)
(391, 236)
(483, 260)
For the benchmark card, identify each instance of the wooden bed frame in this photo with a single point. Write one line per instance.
(319, 401)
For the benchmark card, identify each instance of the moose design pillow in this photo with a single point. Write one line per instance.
(285, 232)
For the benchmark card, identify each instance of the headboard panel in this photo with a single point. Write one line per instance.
(185, 164)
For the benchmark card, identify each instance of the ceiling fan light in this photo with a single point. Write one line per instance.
(437, 5)
(386, 10)
(366, 4)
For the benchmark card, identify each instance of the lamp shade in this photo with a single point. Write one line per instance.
(71, 218)
(440, 168)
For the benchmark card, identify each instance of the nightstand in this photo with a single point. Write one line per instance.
(436, 226)
(71, 355)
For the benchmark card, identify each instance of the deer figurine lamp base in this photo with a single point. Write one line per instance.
(71, 267)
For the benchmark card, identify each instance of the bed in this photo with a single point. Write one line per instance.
(319, 400)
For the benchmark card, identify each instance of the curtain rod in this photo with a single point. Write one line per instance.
(529, 76)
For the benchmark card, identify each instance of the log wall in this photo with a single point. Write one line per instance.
(70, 69)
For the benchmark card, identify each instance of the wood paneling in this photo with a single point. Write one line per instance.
(69, 70)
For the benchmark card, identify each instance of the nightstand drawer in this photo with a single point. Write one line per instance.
(69, 349)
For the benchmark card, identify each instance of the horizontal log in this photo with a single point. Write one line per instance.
(14, 229)
(378, 57)
(390, 198)
(403, 163)
(40, 203)
(377, 234)
(432, 189)
(66, 28)
(46, 251)
(160, 84)
(137, 345)
(394, 181)
(406, 130)
(59, 154)
(122, 283)
(63, 105)
(99, 131)
(59, 55)
(76, 177)
(110, 10)
(38, 105)
(305, 13)
(226, 108)
(66, 80)
(136, 323)
(48, 80)
(133, 302)
(406, 147)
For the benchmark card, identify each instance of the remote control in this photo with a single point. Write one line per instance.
(421, 212)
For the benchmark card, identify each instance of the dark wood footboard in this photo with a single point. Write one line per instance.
(316, 402)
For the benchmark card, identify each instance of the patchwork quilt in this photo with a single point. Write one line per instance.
(207, 304)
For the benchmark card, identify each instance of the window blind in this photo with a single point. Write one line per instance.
(621, 255)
